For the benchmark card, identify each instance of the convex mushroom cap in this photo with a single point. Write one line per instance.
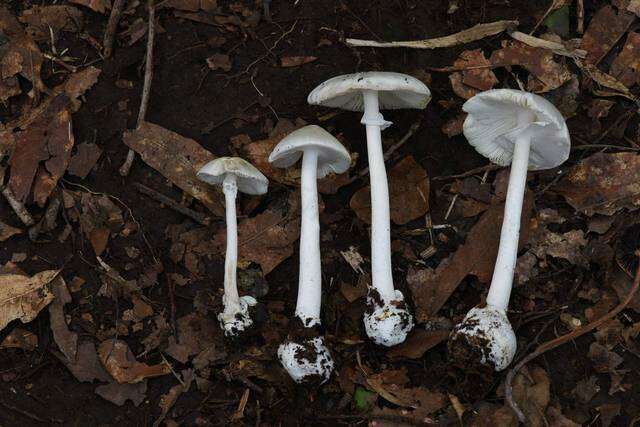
(248, 179)
(332, 156)
(395, 91)
(497, 117)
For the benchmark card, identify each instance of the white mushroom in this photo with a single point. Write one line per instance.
(387, 320)
(233, 174)
(305, 358)
(524, 130)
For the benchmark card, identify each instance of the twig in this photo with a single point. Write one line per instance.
(580, 16)
(196, 216)
(387, 155)
(112, 26)
(18, 207)
(555, 47)
(550, 345)
(146, 86)
(474, 171)
(474, 33)
(381, 417)
(26, 413)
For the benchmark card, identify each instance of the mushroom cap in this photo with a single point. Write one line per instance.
(387, 324)
(249, 179)
(492, 127)
(489, 335)
(306, 361)
(395, 91)
(332, 156)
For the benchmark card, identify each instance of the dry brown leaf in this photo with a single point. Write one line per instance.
(40, 20)
(78, 83)
(296, 61)
(432, 288)
(19, 54)
(453, 127)
(195, 333)
(219, 61)
(418, 343)
(49, 139)
(84, 160)
(100, 6)
(531, 393)
(546, 73)
(626, 66)
(169, 399)
(192, 5)
(118, 359)
(67, 340)
(7, 231)
(605, 29)
(266, 239)
(408, 194)
(603, 183)
(569, 245)
(634, 7)
(468, 83)
(86, 367)
(178, 159)
(118, 394)
(20, 338)
(22, 297)
(100, 218)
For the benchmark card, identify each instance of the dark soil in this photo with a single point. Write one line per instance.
(190, 100)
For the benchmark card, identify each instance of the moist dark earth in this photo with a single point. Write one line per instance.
(187, 98)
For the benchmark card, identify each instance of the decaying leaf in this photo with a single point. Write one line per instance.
(78, 83)
(195, 333)
(100, 6)
(118, 359)
(296, 61)
(86, 367)
(569, 246)
(100, 218)
(546, 73)
(7, 231)
(468, 83)
(605, 29)
(531, 393)
(169, 399)
(432, 288)
(266, 239)
(19, 54)
(603, 183)
(22, 297)
(84, 160)
(20, 338)
(408, 194)
(626, 66)
(42, 152)
(118, 394)
(418, 343)
(219, 61)
(41, 20)
(67, 340)
(177, 158)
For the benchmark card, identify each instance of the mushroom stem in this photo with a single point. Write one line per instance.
(381, 275)
(310, 276)
(500, 289)
(231, 298)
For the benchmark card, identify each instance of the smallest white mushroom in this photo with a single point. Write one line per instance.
(233, 174)
(524, 130)
(304, 354)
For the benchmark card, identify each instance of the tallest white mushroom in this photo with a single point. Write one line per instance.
(387, 320)
(524, 130)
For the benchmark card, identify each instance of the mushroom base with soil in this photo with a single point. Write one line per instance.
(235, 321)
(387, 323)
(483, 338)
(306, 360)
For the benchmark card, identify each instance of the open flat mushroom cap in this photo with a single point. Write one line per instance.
(495, 119)
(395, 91)
(249, 179)
(332, 156)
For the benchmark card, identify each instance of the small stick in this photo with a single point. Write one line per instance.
(146, 86)
(196, 216)
(475, 171)
(580, 16)
(554, 343)
(18, 207)
(112, 25)
(387, 155)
